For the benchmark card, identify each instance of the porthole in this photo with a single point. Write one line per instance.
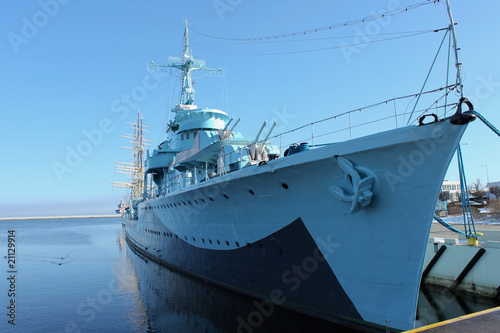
(284, 185)
(184, 203)
(203, 200)
(218, 242)
(175, 205)
(227, 243)
(189, 202)
(194, 239)
(210, 241)
(237, 244)
(203, 240)
(251, 192)
(186, 237)
(211, 199)
(196, 202)
(225, 196)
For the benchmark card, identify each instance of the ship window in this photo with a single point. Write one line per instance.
(284, 185)
(203, 240)
(203, 200)
(227, 243)
(210, 241)
(211, 199)
(189, 202)
(187, 135)
(225, 196)
(194, 239)
(186, 237)
(184, 203)
(218, 242)
(195, 201)
(237, 244)
(182, 136)
(251, 192)
(164, 233)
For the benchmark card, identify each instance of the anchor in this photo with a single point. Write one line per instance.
(361, 187)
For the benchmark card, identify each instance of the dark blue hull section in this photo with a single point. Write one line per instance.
(285, 268)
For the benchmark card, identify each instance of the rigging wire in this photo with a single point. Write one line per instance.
(450, 87)
(428, 74)
(324, 28)
(435, 102)
(320, 39)
(319, 49)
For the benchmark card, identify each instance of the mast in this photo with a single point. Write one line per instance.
(458, 64)
(135, 169)
(187, 95)
(186, 64)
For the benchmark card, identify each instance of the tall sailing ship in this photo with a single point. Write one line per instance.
(337, 231)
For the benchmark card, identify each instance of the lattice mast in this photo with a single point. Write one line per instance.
(186, 64)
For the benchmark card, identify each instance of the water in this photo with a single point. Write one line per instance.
(79, 275)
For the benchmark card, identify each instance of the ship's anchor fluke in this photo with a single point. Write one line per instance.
(362, 188)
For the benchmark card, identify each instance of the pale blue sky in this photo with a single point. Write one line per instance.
(67, 68)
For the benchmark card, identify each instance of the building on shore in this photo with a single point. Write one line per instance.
(450, 191)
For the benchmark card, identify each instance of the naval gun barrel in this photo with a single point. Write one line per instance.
(229, 122)
(236, 123)
(260, 131)
(269, 133)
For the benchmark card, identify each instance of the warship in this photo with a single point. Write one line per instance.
(335, 231)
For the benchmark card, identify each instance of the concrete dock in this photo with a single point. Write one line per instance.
(451, 263)
(438, 231)
(483, 321)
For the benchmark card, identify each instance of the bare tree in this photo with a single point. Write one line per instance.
(477, 189)
(495, 190)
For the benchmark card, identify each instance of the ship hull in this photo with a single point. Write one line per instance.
(281, 232)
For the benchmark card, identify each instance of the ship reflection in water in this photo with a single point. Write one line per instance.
(80, 275)
(175, 302)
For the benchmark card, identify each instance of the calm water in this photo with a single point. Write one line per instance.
(78, 275)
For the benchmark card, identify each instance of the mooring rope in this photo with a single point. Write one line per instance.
(470, 229)
(448, 226)
(485, 121)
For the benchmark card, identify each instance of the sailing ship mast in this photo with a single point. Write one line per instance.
(135, 169)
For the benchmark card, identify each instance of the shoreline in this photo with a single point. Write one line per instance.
(56, 217)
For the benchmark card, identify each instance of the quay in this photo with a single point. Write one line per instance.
(483, 321)
(451, 263)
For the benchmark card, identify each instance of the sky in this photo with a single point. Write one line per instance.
(73, 74)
